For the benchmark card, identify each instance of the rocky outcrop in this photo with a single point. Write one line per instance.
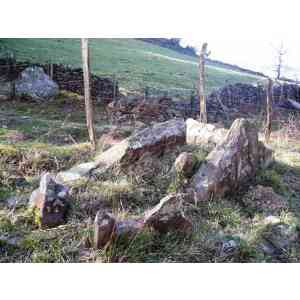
(236, 159)
(36, 84)
(203, 134)
(153, 139)
(50, 201)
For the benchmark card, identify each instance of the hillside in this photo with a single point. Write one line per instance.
(174, 44)
(135, 63)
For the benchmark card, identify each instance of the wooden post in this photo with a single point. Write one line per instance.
(192, 103)
(269, 110)
(114, 87)
(203, 112)
(12, 74)
(146, 93)
(87, 92)
(51, 71)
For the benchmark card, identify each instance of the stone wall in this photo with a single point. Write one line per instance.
(67, 78)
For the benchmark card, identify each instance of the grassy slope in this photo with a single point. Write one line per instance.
(48, 146)
(137, 64)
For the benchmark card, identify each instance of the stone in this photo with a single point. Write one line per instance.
(113, 137)
(154, 139)
(129, 228)
(236, 159)
(51, 202)
(144, 110)
(104, 229)
(4, 97)
(264, 199)
(228, 248)
(184, 164)
(36, 84)
(208, 135)
(168, 215)
(18, 201)
(278, 238)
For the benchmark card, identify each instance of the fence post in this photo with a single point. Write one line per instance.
(114, 87)
(87, 91)
(146, 94)
(12, 71)
(51, 71)
(192, 102)
(269, 110)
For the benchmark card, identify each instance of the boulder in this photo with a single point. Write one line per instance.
(236, 159)
(153, 139)
(168, 215)
(51, 202)
(184, 164)
(264, 199)
(36, 84)
(198, 133)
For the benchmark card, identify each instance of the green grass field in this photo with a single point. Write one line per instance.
(136, 64)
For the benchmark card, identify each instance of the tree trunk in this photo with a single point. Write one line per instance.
(87, 92)
(203, 112)
(269, 110)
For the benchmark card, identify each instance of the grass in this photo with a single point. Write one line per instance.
(135, 64)
(126, 193)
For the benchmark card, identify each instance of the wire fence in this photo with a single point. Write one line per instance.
(104, 87)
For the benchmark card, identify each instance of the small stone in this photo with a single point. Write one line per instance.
(184, 164)
(129, 227)
(278, 238)
(168, 215)
(51, 201)
(228, 247)
(14, 202)
(104, 229)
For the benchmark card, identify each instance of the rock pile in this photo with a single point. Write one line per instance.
(236, 157)
(146, 111)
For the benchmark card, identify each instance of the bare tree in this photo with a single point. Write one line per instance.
(280, 53)
(201, 88)
(87, 92)
(269, 110)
